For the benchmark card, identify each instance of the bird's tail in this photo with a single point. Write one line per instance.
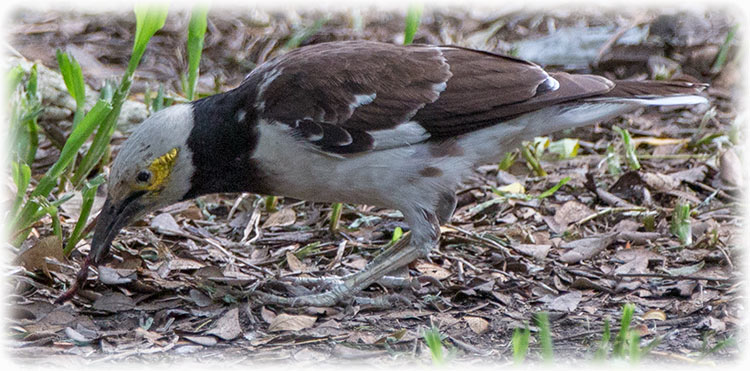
(654, 93)
(486, 145)
(625, 96)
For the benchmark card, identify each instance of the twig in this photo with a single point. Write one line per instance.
(682, 358)
(678, 156)
(674, 277)
(469, 348)
(486, 240)
(711, 189)
(339, 255)
(611, 210)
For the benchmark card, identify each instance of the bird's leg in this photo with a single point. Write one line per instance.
(328, 281)
(424, 236)
(387, 281)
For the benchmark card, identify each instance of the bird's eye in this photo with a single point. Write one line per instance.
(143, 176)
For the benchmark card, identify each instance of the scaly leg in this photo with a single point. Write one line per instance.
(387, 281)
(424, 236)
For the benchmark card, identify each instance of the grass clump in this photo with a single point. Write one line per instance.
(100, 121)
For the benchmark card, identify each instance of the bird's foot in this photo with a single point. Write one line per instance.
(338, 290)
(391, 282)
(345, 288)
(329, 299)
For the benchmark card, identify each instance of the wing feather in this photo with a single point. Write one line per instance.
(339, 96)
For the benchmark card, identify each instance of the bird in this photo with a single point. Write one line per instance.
(360, 122)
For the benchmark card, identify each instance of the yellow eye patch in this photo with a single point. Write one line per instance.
(161, 168)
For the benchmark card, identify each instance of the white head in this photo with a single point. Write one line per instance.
(152, 170)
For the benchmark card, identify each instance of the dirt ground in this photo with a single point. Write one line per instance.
(600, 241)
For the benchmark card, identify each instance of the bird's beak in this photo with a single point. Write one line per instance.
(114, 216)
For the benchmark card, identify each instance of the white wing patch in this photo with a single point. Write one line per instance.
(361, 100)
(551, 84)
(268, 77)
(406, 133)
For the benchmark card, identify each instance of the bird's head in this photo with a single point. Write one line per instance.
(153, 169)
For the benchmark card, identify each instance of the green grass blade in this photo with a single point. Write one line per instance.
(634, 343)
(397, 234)
(434, 342)
(532, 161)
(14, 77)
(24, 129)
(520, 344)
(56, 227)
(554, 188)
(76, 139)
(413, 18)
(680, 225)
(618, 349)
(603, 350)
(507, 161)
(72, 75)
(21, 174)
(196, 35)
(335, 216)
(305, 33)
(149, 18)
(88, 196)
(728, 342)
(721, 58)
(271, 203)
(630, 155)
(31, 85)
(545, 336)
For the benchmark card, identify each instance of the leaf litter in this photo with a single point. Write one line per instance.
(182, 281)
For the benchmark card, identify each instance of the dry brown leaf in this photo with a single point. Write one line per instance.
(206, 341)
(433, 270)
(713, 323)
(586, 248)
(397, 335)
(694, 174)
(114, 302)
(730, 168)
(267, 314)
(655, 314)
(536, 251)
(192, 212)
(112, 276)
(566, 302)
(33, 258)
(295, 265)
(165, 224)
(228, 326)
(570, 212)
(660, 182)
(636, 260)
(477, 324)
(354, 261)
(178, 264)
(291, 322)
(199, 298)
(282, 218)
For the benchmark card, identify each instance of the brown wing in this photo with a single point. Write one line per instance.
(340, 95)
